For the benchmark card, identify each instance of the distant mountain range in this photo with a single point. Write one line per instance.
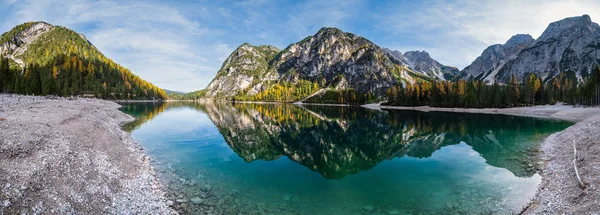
(174, 92)
(570, 46)
(336, 60)
(421, 62)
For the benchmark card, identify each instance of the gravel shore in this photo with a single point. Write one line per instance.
(560, 112)
(560, 192)
(70, 156)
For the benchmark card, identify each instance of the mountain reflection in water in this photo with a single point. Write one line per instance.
(339, 141)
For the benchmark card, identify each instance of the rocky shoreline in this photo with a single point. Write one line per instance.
(559, 112)
(70, 156)
(559, 192)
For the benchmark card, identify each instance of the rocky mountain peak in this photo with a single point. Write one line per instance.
(330, 31)
(15, 41)
(493, 58)
(418, 55)
(571, 21)
(394, 53)
(569, 26)
(422, 62)
(569, 45)
(244, 65)
(519, 40)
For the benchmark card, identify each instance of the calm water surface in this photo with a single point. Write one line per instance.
(286, 159)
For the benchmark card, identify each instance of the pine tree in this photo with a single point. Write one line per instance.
(515, 93)
(4, 74)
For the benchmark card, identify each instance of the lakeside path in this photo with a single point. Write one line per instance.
(70, 156)
(559, 192)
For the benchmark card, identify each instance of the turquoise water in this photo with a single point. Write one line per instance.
(286, 159)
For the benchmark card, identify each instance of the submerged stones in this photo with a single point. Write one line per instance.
(197, 200)
(287, 198)
(206, 188)
(368, 208)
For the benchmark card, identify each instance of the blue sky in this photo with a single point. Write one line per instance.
(180, 45)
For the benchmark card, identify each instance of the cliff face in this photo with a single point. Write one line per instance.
(420, 61)
(16, 41)
(246, 65)
(494, 57)
(331, 52)
(571, 45)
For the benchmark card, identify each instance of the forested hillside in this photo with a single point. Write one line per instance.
(199, 94)
(41, 59)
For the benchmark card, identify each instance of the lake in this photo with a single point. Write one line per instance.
(226, 158)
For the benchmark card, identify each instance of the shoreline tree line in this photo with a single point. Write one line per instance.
(476, 94)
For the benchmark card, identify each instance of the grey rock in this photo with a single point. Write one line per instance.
(568, 45)
(422, 62)
(6, 203)
(19, 43)
(197, 200)
(493, 58)
(240, 70)
(206, 188)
